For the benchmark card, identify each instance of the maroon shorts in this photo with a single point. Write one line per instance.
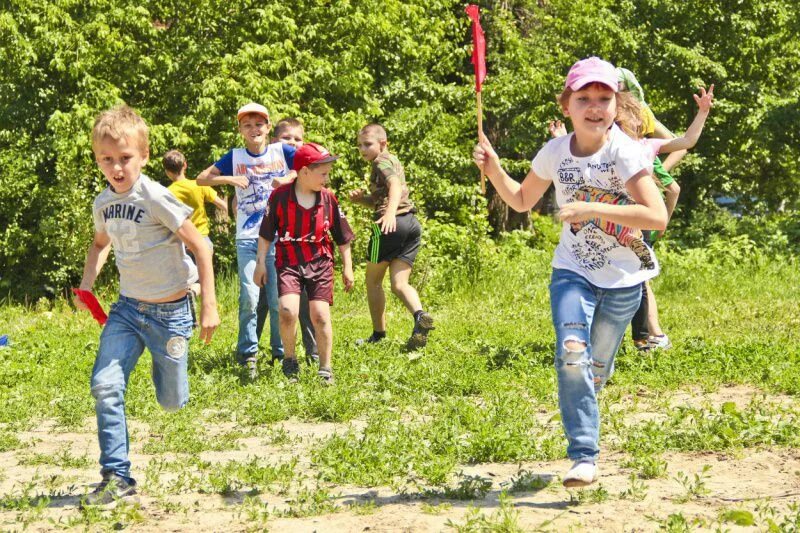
(316, 277)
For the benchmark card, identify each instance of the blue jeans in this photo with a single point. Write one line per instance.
(596, 319)
(164, 329)
(255, 302)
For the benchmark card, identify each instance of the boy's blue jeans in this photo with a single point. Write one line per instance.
(596, 319)
(255, 302)
(164, 329)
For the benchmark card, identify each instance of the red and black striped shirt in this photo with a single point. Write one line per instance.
(303, 235)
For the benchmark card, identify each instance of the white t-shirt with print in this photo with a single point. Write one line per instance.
(592, 252)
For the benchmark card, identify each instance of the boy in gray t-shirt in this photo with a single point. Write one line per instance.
(148, 229)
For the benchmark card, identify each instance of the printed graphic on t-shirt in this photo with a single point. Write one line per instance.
(626, 236)
(600, 175)
(121, 222)
(253, 198)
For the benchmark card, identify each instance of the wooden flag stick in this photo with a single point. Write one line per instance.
(480, 135)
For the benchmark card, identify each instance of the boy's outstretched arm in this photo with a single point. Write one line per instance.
(359, 196)
(212, 177)
(704, 102)
(209, 317)
(95, 259)
(520, 197)
(347, 266)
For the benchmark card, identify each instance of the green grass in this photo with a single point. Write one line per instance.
(483, 391)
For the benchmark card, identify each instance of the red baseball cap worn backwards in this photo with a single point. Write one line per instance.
(312, 154)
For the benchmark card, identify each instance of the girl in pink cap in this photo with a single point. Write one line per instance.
(606, 197)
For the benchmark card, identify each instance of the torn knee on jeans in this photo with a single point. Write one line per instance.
(599, 372)
(574, 351)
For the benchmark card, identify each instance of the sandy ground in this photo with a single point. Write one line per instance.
(764, 481)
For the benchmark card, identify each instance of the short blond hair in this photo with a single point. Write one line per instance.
(287, 123)
(121, 122)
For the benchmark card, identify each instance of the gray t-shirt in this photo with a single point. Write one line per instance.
(142, 222)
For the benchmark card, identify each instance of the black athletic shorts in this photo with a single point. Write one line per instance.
(403, 243)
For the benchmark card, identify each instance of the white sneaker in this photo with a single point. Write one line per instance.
(581, 474)
(659, 341)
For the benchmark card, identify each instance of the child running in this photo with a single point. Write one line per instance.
(148, 228)
(596, 282)
(303, 215)
(395, 237)
(631, 119)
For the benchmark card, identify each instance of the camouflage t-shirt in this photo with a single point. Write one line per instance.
(384, 167)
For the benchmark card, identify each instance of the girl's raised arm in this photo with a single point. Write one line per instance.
(705, 101)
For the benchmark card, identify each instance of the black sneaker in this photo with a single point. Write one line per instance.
(372, 339)
(110, 491)
(291, 369)
(326, 375)
(419, 336)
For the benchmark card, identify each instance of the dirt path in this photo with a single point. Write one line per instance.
(764, 482)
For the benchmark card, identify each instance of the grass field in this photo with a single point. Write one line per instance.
(463, 435)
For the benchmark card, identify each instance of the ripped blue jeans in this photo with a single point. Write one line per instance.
(590, 323)
(164, 329)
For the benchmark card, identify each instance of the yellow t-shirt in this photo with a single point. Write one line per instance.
(648, 121)
(195, 196)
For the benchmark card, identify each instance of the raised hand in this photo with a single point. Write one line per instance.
(557, 128)
(486, 158)
(705, 100)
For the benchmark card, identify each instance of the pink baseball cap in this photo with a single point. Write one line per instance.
(252, 107)
(312, 154)
(592, 70)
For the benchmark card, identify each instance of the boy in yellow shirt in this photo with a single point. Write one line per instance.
(193, 195)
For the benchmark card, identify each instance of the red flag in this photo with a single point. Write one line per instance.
(479, 46)
(94, 306)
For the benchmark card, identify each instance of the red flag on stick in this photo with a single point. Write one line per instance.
(479, 46)
(479, 61)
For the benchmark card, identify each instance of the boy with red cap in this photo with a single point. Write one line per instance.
(306, 218)
(254, 171)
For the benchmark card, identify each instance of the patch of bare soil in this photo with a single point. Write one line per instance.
(742, 480)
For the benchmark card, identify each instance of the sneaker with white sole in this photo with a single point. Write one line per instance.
(659, 342)
(110, 491)
(581, 474)
(326, 376)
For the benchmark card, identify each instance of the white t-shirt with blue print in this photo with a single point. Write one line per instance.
(261, 170)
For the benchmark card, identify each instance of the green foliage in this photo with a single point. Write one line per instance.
(340, 65)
